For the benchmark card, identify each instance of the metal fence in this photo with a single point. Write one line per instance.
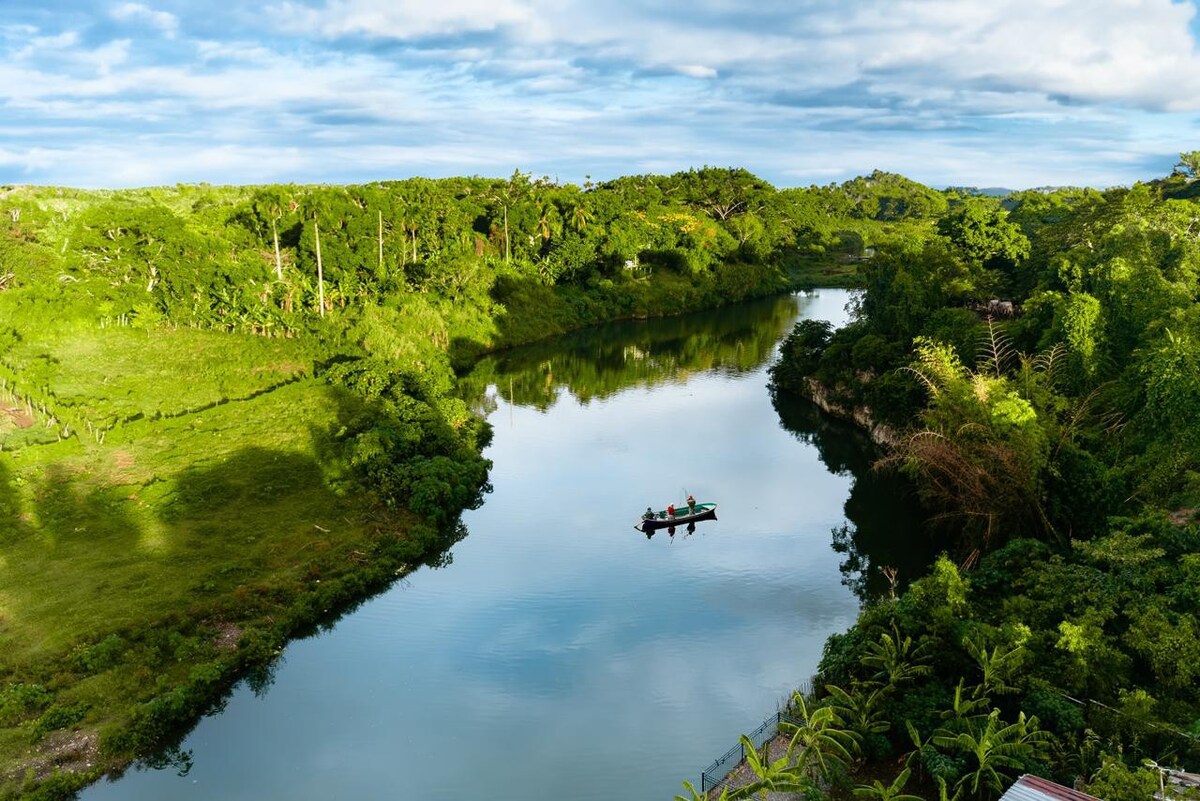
(716, 773)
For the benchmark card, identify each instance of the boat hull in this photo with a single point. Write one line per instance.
(706, 511)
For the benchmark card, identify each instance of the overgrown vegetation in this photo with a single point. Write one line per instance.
(1038, 360)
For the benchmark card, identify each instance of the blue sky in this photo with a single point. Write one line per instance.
(1012, 93)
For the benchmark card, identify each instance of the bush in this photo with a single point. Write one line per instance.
(18, 701)
(103, 655)
(800, 354)
(1054, 711)
(59, 717)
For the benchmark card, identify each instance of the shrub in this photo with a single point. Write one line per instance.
(18, 701)
(59, 717)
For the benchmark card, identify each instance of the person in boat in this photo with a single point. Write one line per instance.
(648, 514)
(691, 502)
(670, 511)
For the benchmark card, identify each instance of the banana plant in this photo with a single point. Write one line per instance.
(861, 710)
(878, 791)
(994, 747)
(821, 740)
(895, 660)
(780, 775)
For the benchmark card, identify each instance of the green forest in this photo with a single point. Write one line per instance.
(183, 369)
(1034, 368)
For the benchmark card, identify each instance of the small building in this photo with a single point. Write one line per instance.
(1174, 784)
(1035, 788)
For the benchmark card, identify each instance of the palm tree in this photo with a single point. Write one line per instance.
(511, 192)
(579, 218)
(549, 220)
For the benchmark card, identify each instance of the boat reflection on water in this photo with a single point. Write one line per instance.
(691, 528)
(671, 518)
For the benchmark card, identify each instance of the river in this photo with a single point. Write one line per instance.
(560, 654)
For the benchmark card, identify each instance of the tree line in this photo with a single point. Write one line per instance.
(1058, 443)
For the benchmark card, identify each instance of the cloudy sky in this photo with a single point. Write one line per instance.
(1009, 93)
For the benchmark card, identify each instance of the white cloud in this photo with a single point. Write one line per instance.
(165, 21)
(696, 71)
(969, 91)
(46, 45)
(64, 55)
(398, 19)
(107, 56)
(1137, 52)
(209, 50)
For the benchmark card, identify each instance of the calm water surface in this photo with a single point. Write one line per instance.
(562, 654)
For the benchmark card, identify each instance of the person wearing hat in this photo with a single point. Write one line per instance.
(691, 505)
(670, 510)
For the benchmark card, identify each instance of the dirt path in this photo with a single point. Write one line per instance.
(18, 415)
(742, 775)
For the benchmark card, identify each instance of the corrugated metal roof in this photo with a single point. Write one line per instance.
(1034, 788)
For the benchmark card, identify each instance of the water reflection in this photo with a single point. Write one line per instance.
(552, 658)
(650, 532)
(602, 361)
(884, 522)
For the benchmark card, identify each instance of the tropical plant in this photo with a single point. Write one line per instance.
(997, 749)
(781, 775)
(861, 708)
(965, 708)
(998, 667)
(820, 741)
(878, 791)
(895, 660)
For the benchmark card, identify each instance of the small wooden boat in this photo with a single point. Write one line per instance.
(683, 516)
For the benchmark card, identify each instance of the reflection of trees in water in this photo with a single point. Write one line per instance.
(884, 523)
(601, 361)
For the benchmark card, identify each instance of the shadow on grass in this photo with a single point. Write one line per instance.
(252, 477)
(73, 515)
(160, 599)
(12, 523)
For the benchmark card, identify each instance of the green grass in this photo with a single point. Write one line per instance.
(161, 518)
(95, 378)
(121, 564)
(828, 273)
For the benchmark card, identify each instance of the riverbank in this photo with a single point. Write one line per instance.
(1050, 476)
(145, 575)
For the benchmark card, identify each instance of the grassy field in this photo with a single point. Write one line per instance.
(135, 566)
(96, 377)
